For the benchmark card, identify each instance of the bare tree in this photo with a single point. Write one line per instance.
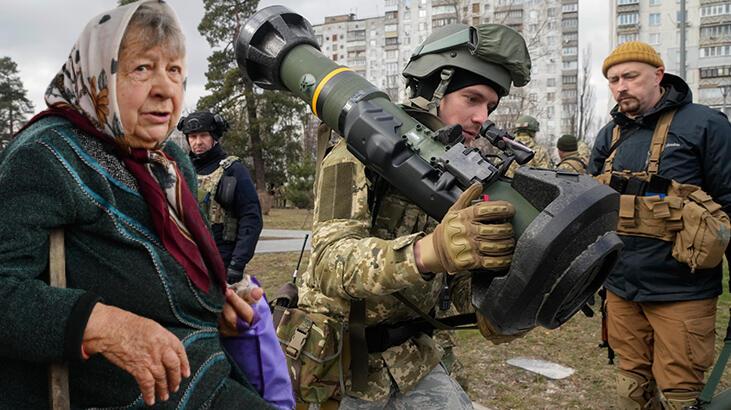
(583, 119)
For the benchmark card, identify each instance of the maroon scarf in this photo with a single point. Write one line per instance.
(173, 208)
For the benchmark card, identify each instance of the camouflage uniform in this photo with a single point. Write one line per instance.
(355, 259)
(541, 158)
(584, 152)
(572, 162)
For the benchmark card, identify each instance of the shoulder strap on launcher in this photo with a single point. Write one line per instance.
(359, 345)
(58, 373)
(659, 137)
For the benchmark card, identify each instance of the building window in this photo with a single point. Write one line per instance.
(422, 13)
(654, 19)
(568, 79)
(570, 37)
(570, 23)
(715, 72)
(335, 37)
(550, 97)
(551, 82)
(569, 51)
(625, 19)
(625, 2)
(623, 38)
(447, 9)
(476, 8)
(716, 10)
(655, 39)
(716, 51)
(570, 65)
(569, 8)
(551, 12)
(723, 30)
(655, 2)
(390, 28)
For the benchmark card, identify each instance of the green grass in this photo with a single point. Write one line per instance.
(493, 382)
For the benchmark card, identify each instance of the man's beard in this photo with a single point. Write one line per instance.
(629, 105)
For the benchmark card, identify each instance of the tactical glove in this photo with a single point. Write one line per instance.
(489, 332)
(469, 237)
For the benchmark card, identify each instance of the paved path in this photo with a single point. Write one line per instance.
(286, 241)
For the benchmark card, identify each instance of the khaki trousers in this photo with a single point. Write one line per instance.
(671, 342)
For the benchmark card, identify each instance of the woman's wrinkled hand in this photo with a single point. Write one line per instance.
(236, 307)
(153, 355)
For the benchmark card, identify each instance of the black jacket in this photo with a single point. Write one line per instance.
(697, 151)
(246, 209)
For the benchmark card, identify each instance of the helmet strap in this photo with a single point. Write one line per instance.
(446, 76)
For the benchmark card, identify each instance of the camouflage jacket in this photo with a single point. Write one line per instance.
(354, 258)
(584, 152)
(572, 162)
(541, 158)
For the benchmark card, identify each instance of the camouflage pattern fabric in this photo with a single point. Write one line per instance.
(572, 162)
(584, 152)
(207, 185)
(355, 259)
(435, 391)
(540, 160)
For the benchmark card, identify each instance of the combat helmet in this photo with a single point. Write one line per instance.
(495, 53)
(526, 123)
(201, 121)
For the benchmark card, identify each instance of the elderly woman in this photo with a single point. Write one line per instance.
(139, 320)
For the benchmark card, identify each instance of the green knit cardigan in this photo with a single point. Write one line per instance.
(54, 176)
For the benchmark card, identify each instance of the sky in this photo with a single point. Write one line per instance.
(38, 35)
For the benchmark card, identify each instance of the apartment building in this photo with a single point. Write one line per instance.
(707, 41)
(379, 47)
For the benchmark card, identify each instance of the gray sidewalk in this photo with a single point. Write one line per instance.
(286, 241)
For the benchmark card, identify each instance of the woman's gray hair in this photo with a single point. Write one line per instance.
(152, 25)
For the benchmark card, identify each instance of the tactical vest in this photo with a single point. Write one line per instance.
(207, 187)
(655, 207)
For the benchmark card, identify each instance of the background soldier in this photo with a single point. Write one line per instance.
(661, 312)
(370, 243)
(525, 131)
(569, 155)
(226, 192)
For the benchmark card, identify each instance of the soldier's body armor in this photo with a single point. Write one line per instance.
(207, 186)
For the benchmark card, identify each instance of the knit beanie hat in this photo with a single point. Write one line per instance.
(632, 51)
(567, 143)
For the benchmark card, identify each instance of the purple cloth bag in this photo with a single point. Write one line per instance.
(257, 352)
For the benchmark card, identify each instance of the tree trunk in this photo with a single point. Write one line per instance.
(255, 139)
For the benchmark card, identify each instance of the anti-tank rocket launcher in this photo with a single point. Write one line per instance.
(564, 222)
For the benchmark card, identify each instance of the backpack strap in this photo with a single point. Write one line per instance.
(659, 137)
(610, 159)
(657, 145)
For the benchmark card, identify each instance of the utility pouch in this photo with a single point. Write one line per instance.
(313, 346)
(226, 191)
(702, 241)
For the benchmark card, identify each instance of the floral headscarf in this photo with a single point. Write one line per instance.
(87, 81)
(84, 92)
